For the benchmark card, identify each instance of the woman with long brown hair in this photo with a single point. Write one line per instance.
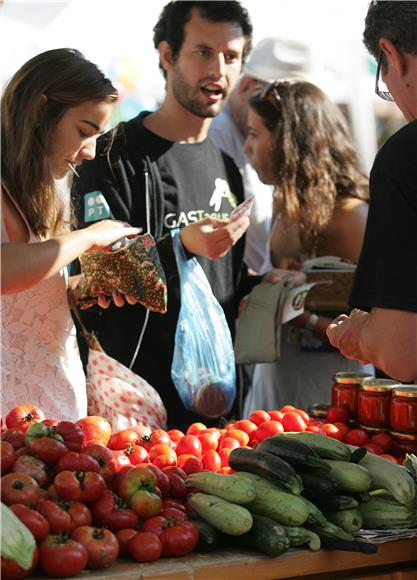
(299, 141)
(52, 110)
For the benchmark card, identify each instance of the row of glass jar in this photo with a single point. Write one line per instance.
(373, 402)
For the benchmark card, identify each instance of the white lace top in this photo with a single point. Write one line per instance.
(40, 362)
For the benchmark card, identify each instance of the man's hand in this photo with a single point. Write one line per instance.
(213, 238)
(344, 333)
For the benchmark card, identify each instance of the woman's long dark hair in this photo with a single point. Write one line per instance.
(314, 158)
(28, 121)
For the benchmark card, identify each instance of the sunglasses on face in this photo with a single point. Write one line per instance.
(386, 95)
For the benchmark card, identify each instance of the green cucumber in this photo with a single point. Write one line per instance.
(265, 536)
(276, 503)
(350, 477)
(223, 515)
(296, 453)
(385, 512)
(326, 447)
(336, 503)
(228, 487)
(349, 520)
(208, 540)
(268, 466)
(318, 485)
(330, 530)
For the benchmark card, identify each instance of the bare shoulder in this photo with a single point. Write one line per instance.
(344, 236)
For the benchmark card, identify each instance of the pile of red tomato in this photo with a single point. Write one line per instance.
(90, 495)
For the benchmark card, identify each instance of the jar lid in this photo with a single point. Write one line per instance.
(350, 378)
(403, 436)
(378, 385)
(373, 430)
(405, 391)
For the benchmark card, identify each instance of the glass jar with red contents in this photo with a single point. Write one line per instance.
(403, 443)
(374, 402)
(345, 390)
(403, 416)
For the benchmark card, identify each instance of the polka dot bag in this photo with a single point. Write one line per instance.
(116, 393)
(121, 396)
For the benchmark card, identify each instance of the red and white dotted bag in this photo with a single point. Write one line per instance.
(116, 393)
(121, 396)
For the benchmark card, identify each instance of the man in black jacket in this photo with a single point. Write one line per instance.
(160, 171)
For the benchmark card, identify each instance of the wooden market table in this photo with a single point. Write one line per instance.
(393, 561)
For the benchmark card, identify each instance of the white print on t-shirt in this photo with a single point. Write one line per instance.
(221, 190)
(171, 220)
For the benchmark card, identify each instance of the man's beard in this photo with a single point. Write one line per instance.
(188, 98)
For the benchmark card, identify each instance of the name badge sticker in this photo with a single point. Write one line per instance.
(95, 207)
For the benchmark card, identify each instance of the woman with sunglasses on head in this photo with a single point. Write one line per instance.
(299, 141)
(52, 110)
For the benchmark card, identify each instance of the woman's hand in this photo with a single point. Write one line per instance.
(104, 233)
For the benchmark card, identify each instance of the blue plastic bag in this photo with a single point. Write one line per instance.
(203, 366)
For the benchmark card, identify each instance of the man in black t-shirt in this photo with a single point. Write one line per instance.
(382, 329)
(160, 171)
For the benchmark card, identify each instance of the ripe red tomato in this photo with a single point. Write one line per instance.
(73, 461)
(7, 456)
(208, 440)
(119, 440)
(240, 435)
(259, 416)
(357, 437)
(178, 538)
(47, 449)
(162, 478)
(373, 448)
(175, 435)
(61, 557)
(12, 571)
(95, 427)
(315, 429)
(71, 433)
(136, 454)
(195, 428)
(79, 485)
(246, 426)
(212, 461)
(343, 430)
(337, 414)
(177, 487)
(268, 429)
(56, 515)
(112, 512)
(189, 444)
(163, 449)
(144, 547)
(305, 416)
(383, 440)
(123, 537)
(19, 488)
(190, 463)
(224, 456)
(332, 431)
(104, 456)
(292, 421)
(32, 519)
(121, 459)
(101, 545)
(23, 416)
(276, 415)
(15, 437)
(175, 469)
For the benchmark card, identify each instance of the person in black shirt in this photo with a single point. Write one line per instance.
(160, 171)
(382, 329)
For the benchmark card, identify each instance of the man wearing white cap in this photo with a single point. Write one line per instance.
(271, 59)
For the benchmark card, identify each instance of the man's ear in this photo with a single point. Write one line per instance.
(165, 55)
(393, 55)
